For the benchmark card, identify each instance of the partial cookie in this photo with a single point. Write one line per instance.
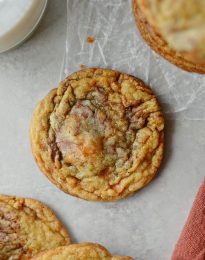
(84, 251)
(27, 227)
(99, 135)
(159, 30)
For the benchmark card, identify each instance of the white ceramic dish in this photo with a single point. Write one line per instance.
(18, 19)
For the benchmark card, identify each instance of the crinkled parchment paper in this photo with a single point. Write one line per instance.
(118, 45)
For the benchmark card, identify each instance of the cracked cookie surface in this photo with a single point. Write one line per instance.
(83, 251)
(99, 135)
(28, 227)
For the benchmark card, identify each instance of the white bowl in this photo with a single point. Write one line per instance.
(18, 20)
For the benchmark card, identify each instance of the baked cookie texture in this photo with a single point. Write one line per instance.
(27, 227)
(83, 251)
(176, 32)
(99, 135)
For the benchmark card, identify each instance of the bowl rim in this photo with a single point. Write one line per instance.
(18, 43)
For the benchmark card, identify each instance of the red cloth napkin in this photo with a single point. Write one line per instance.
(191, 244)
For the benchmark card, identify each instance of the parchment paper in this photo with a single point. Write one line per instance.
(118, 45)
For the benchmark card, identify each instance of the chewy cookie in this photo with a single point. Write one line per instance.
(84, 251)
(99, 135)
(27, 227)
(176, 32)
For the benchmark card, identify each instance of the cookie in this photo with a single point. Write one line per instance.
(27, 227)
(99, 135)
(83, 251)
(158, 33)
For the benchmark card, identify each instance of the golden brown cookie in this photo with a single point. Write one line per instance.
(27, 227)
(156, 26)
(99, 135)
(83, 251)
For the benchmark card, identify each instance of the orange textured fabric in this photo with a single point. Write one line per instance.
(191, 244)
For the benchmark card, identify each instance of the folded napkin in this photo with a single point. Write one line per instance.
(191, 244)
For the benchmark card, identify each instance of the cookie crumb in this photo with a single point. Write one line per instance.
(90, 39)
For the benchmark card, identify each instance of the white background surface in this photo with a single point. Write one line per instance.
(146, 225)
